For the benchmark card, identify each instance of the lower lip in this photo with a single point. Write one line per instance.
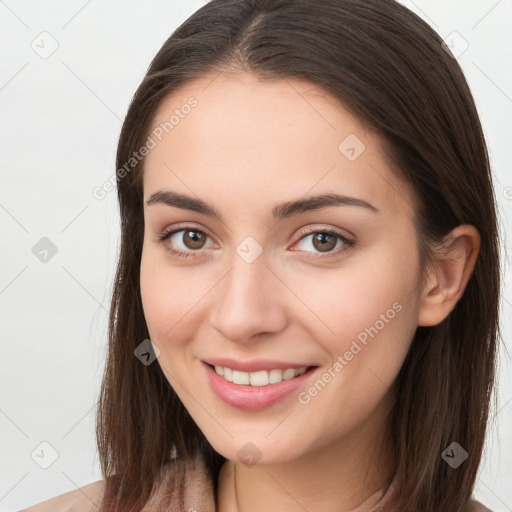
(253, 398)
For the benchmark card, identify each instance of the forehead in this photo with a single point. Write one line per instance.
(266, 141)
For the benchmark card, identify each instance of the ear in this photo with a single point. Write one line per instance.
(453, 267)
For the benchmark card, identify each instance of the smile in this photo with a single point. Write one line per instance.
(260, 378)
(258, 389)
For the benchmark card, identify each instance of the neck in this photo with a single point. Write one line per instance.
(336, 477)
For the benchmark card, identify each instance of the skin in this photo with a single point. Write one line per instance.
(247, 146)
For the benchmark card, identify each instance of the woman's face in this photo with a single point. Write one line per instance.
(295, 247)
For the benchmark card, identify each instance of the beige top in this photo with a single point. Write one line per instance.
(194, 492)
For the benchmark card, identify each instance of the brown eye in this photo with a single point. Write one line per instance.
(193, 239)
(184, 242)
(324, 242)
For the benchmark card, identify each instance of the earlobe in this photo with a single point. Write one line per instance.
(453, 267)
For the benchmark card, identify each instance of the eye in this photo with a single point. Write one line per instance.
(188, 240)
(324, 241)
(183, 242)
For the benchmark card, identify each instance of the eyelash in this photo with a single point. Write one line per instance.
(349, 243)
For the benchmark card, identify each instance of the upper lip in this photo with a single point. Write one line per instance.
(254, 365)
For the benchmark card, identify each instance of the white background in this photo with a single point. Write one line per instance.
(60, 121)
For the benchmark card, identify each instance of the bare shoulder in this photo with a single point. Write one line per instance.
(84, 499)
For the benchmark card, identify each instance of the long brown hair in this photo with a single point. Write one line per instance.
(393, 72)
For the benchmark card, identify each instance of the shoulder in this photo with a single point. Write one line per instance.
(84, 499)
(476, 506)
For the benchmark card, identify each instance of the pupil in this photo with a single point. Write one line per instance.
(322, 239)
(195, 241)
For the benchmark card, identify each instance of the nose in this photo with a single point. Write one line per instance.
(249, 300)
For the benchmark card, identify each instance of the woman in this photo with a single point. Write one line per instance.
(309, 241)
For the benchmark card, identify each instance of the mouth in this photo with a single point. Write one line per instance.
(253, 391)
(259, 378)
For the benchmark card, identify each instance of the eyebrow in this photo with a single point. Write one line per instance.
(281, 211)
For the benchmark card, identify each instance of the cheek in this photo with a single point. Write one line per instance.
(368, 318)
(365, 312)
(170, 297)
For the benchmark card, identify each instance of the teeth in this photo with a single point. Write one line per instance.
(261, 378)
